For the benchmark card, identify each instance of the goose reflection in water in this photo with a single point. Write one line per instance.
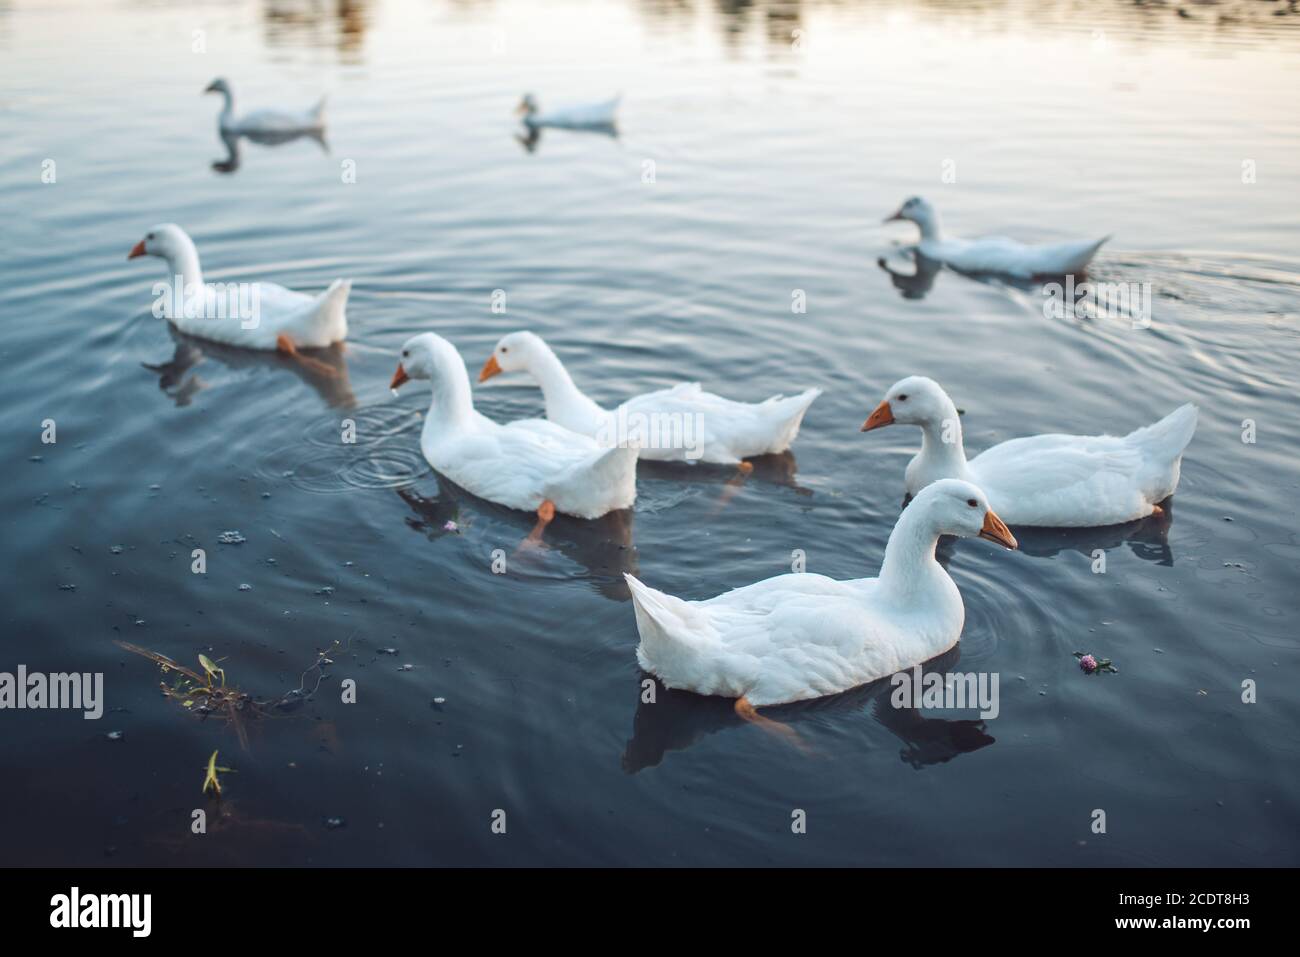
(233, 155)
(531, 137)
(324, 370)
(676, 720)
(779, 469)
(918, 283)
(603, 547)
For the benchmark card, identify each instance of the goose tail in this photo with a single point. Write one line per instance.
(792, 409)
(332, 309)
(1161, 445)
(317, 112)
(608, 480)
(1078, 261)
(664, 622)
(1165, 440)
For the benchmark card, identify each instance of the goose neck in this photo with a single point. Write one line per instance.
(909, 566)
(183, 262)
(452, 404)
(942, 450)
(558, 389)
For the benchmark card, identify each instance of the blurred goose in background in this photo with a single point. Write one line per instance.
(530, 465)
(1061, 481)
(577, 116)
(254, 315)
(994, 254)
(680, 424)
(266, 123)
(801, 636)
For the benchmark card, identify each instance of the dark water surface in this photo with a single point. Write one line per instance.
(773, 166)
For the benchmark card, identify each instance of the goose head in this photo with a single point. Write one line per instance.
(513, 353)
(219, 85)
(527, 106)
(955, 507)
(427, 356)
(166, 241)
(915, 400)
(917, 210)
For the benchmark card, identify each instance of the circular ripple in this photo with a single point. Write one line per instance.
(385, 453)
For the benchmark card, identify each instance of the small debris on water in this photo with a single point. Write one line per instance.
(450, 526)
(116, 549)
(67, 587)
(334, 823)
(1092, 665)
(407, 668)
(325, 590)
(114, 735)
(388, 651)
(245, 586)
(231, 537)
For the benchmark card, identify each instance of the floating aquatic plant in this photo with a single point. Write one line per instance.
(207, 693)
(210, 779)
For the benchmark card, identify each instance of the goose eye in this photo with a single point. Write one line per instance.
(505, 349)
(149, 237)
(902, 398)
(972, 503)
(406, 353)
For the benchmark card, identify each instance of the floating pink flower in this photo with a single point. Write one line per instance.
(1088, 663)
(450, 526)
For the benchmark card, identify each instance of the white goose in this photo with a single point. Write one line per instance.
(681, 424)
(802, 636)
(994, 254)
(255, 315)
(575, 116)
(265, 122)
(531, 464)
(1049, 480)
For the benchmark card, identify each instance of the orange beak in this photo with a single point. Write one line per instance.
(399, 377)
(881, 417)
(136, 250)
(490, 368)
(897, 216)
(995, 530)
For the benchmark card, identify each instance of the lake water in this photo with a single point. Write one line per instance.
(760, 147)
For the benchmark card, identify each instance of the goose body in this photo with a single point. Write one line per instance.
(801, 636)
(679, 424)
(575, 116)
(268, 123)
(1046, 480)
(995, 254)
(255, 315)
(521, 464)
